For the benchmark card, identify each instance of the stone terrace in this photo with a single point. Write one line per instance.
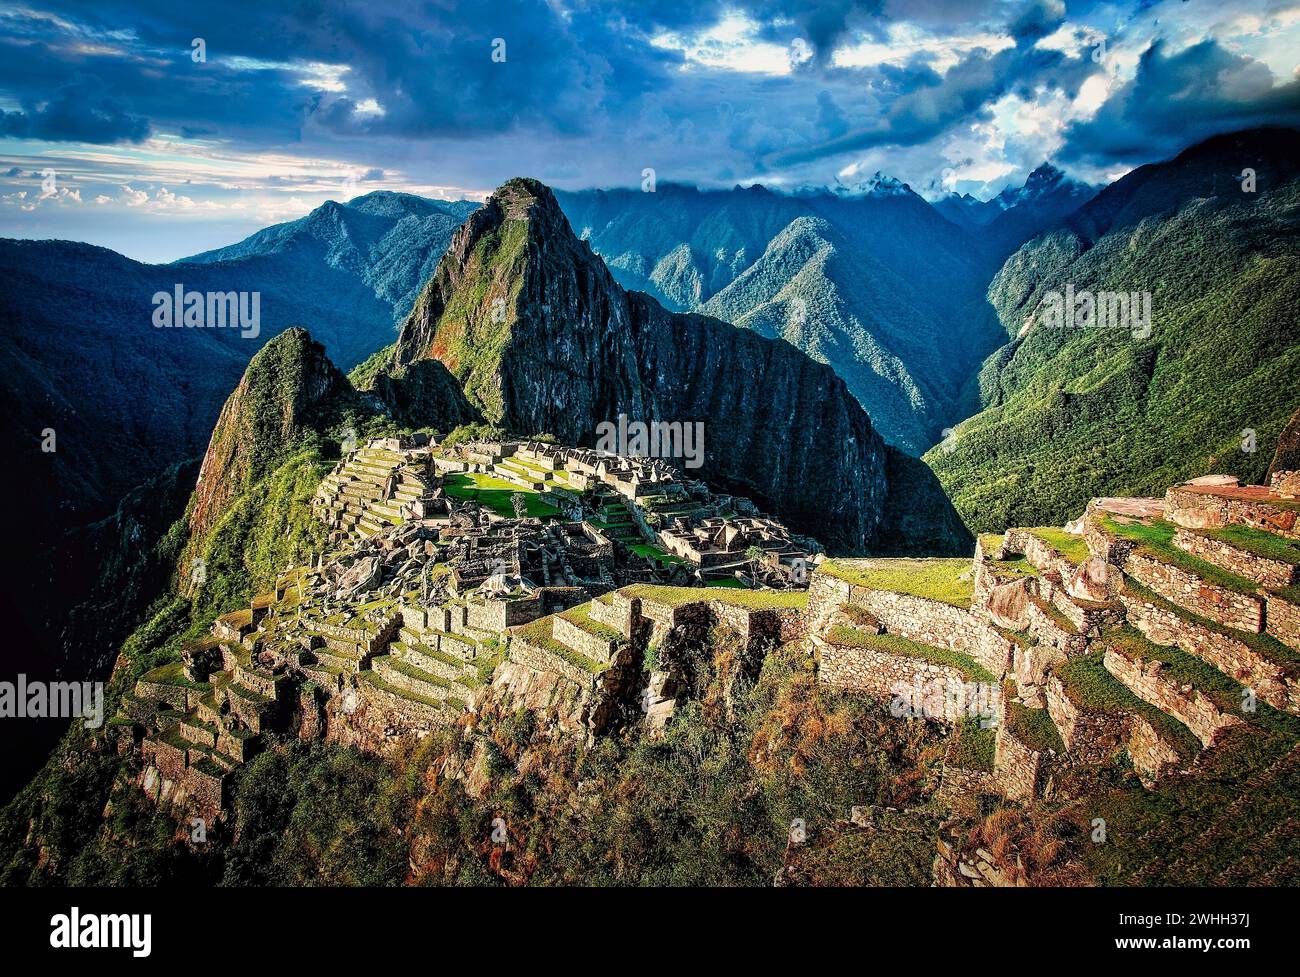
(1148, 627)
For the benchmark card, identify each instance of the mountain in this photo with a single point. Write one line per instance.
(873, 281)
(371, 253)
(126, 401)
(542, 339)
(1016, 214)
(1074, 413)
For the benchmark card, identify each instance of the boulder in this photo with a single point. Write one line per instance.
(1214, 481)
(362, 575)
(1094, 580)
(1008, 604)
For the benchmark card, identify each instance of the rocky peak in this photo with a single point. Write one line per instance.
(542, 339)
(289, 389)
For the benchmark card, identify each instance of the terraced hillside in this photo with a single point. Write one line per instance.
(1129, 669)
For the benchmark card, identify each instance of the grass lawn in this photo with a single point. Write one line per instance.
(938, 579)
(495, 494)
(1257, 542)
(1089, 686)
(1156, 540)
(1034, 728)
(1073, 548)
(653, 552)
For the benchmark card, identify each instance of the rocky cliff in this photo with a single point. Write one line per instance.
(543, 339)
(288, 393)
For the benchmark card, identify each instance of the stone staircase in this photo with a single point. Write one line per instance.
(376, 486)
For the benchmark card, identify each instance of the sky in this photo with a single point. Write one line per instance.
(162, 129)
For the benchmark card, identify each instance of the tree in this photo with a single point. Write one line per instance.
(520, 503)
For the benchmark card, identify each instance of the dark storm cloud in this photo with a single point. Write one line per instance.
(1178, 99)
(79, 111)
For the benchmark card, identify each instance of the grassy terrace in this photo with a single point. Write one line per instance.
(938, 579)
(581, 616)
(650, 551)
(1185, 669)
(756, 600)
(1055, 614)
(974, 747)
(173, 673)
(1072, 547)
(1089, 686)
(494, 493)
(539, 634)
(991, 542)
(1156, 541)
(1013, 568)
(892, 644)
(1257, 542)
(1033, 727)
(383, 686)
(1263, 644)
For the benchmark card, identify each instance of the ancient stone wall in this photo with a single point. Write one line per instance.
(1277, 686)
(1020, 771)
(1284, 621)
(1266, 572)
(1201, 510)
(583, 641)
(1245, 612)
(883, 675)
(1192, 708)
(1152, 755)
(1089, 737)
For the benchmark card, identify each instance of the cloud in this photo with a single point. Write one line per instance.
(80, 111)
(1038, 19)
(1176, 99)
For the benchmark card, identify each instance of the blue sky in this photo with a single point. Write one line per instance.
(159, 153)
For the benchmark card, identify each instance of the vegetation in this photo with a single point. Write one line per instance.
(1033, 727)
(1155, 539)
(892, 644)
(497, 494)
(974, 746)
(1073, 414)
(948, 581)
(1073, 548)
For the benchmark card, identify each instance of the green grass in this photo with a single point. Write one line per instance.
(974, 748)
(1265, 645)
(1055, 614)
(1187, 670)
(538, 633)
(581, 616)
(937, 579)
(653, 552)
(728, 583)
(1156, 541)
(1073, 548)
(1257, 542)
(494, 493)
(1090, 687)
(173, 673)
(1033, 727)
(892, 644)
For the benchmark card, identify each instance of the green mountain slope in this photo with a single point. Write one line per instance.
(1076, 413)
